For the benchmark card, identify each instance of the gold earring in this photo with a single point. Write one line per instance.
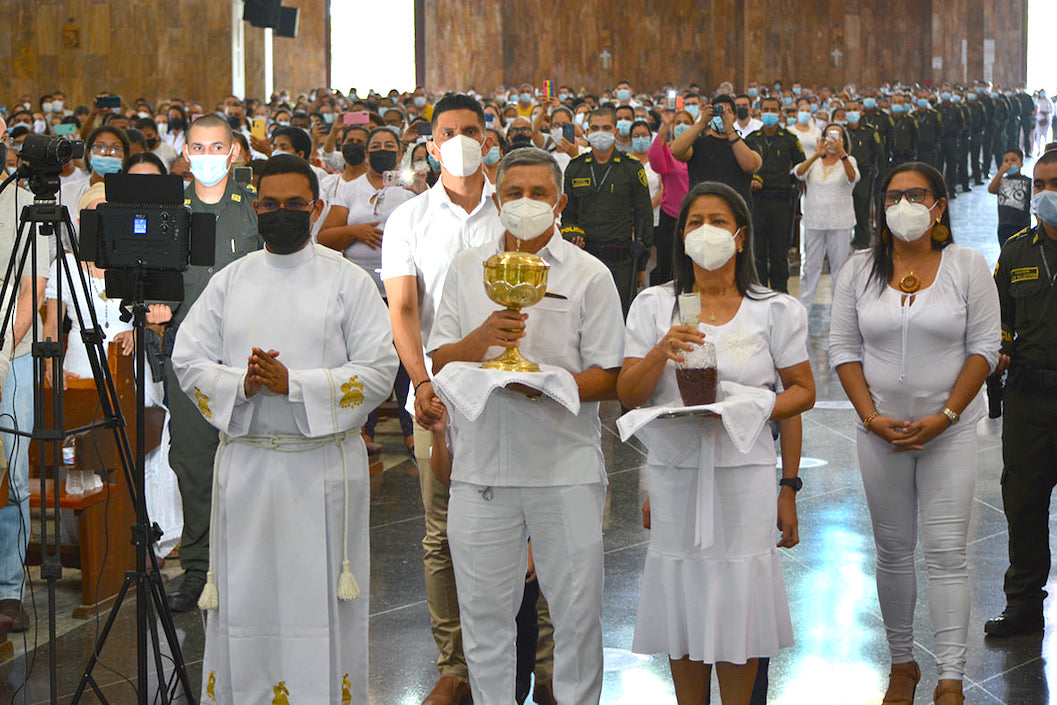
(940, 233)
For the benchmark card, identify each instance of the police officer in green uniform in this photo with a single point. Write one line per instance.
(904, 145)
(1028, 295)
(210, 150)
(774, 191)
(1013, 125)
(868, 150)
(999, 126)
(951, 130)
(609, 212)
(882, 122)
(930, 127)
(962, 145)
(980, 139)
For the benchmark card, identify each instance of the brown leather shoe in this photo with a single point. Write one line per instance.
(902, 682)
(948, 692)
(449, 690)
(12, 609)
(543, 693)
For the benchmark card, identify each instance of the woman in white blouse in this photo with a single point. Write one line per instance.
(915, 331)
(722, 603)
(829, 212)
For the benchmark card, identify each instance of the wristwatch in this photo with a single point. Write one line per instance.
(952, 416)
(793, 482)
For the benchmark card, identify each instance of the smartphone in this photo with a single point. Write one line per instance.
(424, 128)
(243, 175)
(360, 117)
(548, 90)
(63, 129)
(398, 177)
(258, 128)
(672, 96)
(489, 119)
(679, 102)
(108, 101)
(569, 132)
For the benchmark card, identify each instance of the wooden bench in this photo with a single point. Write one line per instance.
(104, 516)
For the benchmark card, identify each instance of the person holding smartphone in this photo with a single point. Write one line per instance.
(829, 211)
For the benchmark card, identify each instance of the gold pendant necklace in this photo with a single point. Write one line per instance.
(910, 282)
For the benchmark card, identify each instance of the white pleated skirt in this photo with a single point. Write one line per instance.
(726, 603)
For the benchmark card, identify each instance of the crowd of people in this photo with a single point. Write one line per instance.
(281, 353)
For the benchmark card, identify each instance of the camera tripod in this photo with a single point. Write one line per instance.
(152, 610)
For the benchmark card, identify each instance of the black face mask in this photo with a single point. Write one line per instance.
(742, 113)
(176, 124)
(383, 160)
(353, 153)
(151, 144)
(283, 231)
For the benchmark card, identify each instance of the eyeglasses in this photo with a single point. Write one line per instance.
(106, 150)
(521, 131)
(270, 205)
(913, 195)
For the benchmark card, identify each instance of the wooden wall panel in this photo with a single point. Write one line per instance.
(304, 63)
(709, 41)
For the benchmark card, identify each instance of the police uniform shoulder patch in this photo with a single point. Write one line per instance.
(187, 201)
(642, 177)
(1021, 274)
(876, 137)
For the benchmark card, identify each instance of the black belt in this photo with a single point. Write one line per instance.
(1026, 378)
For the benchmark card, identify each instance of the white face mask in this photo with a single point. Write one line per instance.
(461, 156)
(908, 221)
(710, 246)
(526, 218)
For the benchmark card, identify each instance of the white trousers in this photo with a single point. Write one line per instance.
(936, 484)
(817, 245)
(488, 529)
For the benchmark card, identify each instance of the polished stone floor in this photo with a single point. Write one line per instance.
(840, 656)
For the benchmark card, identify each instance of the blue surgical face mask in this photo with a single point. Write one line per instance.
(956, 98)
(752, 92)
(769, 119)
(106, 165)
(694, 110)
(1013, 170)
(562, 97)
(717, 124)
(970, 96)
(492, 157)
(1044, 203)
(853, 117)
(790, 121)
(796, 90)
(420, 101)
(525, 97)
(945, 95)
(624, 127)
(787, 100)
(897, 108)
(640, 144)
(869, 103)
(803, 117)
(328, 118)
(923, 103)
(994, 95)
(433, 163)
(680, 129)
(623, 95)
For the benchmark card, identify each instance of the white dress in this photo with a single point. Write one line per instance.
(284, 510)
(726, 602)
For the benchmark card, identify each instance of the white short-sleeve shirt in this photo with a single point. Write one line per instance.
(366, 204)
(767, 334)
(517, 441)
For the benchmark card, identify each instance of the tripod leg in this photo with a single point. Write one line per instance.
(161, 605)
(86, 677)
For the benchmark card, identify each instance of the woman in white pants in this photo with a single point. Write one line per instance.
(915, 330)
(829, 212)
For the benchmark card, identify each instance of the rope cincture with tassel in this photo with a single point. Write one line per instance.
(348, 588)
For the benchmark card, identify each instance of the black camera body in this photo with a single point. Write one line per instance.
(43, 159)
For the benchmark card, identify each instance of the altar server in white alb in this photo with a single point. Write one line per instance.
(286, 351)
(528, 466)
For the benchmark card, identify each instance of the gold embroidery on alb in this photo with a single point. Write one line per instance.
(280, 693)
(346, 690)
(211, 686)
(203, 403)
(353, 393)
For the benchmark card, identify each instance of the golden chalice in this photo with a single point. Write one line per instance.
(514, 280)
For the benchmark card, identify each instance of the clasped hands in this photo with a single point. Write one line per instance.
(907, 436)
(264, 371)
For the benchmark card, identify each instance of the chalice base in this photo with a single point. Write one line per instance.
(511, 361)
